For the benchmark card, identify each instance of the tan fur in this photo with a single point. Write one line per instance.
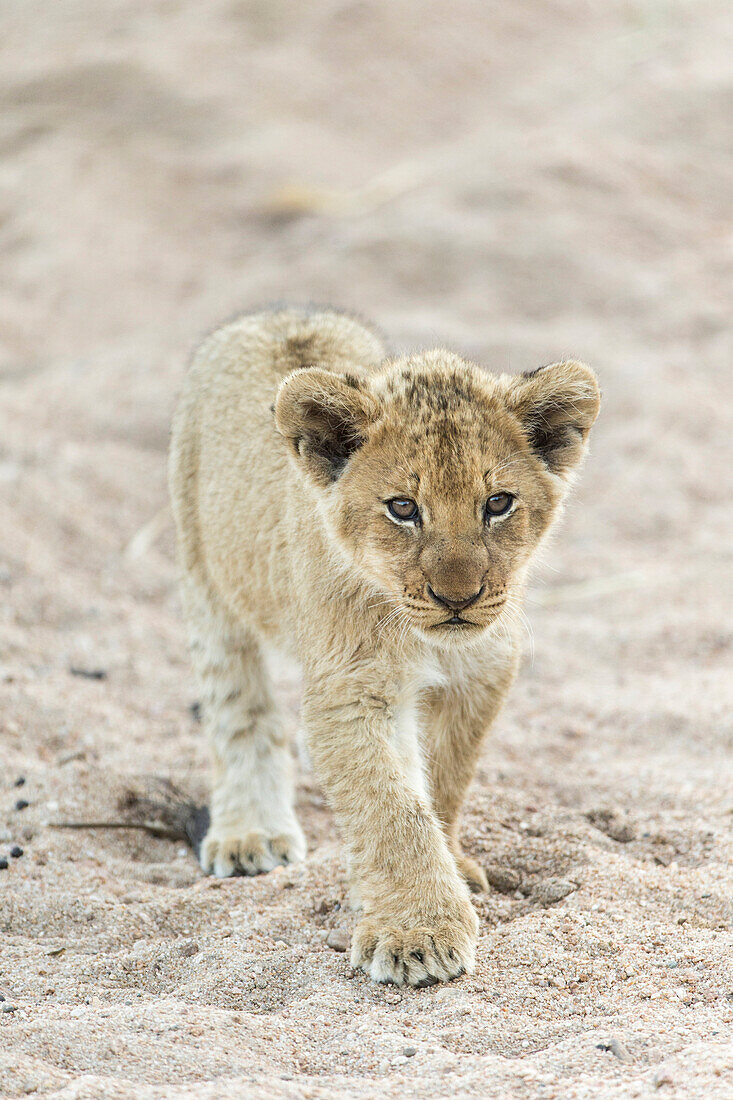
(292, 433)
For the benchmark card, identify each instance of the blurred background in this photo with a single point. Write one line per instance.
(521, 181)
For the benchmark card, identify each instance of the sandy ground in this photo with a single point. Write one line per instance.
(521, 181)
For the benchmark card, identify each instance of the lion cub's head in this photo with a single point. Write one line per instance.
(436, 479)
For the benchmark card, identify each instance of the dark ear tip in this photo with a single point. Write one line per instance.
(566, 375)
(536, 371)
(562, 366)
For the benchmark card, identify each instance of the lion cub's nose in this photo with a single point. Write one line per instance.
(456, 605)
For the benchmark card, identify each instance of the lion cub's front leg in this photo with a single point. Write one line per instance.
(458, 717)
(253, 825)
(418, 925)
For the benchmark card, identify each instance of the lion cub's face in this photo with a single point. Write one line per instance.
(437, 480)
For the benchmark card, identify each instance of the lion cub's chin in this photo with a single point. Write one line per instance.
(451, 636)
(456, 636)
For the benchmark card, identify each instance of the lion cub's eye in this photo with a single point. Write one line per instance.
(403, 508)
(499, 504)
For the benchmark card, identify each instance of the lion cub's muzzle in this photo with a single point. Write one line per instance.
(468, 615)
(459, 604)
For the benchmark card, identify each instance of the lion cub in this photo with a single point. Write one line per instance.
(375, 518)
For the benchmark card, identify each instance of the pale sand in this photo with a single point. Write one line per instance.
(521, 181)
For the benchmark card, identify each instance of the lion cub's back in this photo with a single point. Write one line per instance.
(228, 465)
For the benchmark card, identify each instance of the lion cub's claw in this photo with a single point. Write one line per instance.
(417, 956)
(473, 873)
(226, 852)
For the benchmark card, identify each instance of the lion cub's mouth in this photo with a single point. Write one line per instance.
(457, 620)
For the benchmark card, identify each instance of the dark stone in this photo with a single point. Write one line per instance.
(504, 880)
(618, 1049)
(16, 851)
(197, 826)
(338, 939)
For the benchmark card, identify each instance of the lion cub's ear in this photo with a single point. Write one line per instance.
(324, 417)
(556, 406)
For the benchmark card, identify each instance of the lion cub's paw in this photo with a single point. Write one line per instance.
(230, 851)
(416, 955)
(473, 873)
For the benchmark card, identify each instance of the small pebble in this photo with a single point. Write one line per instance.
(547, 893)
(19, 781)
(21, 804)
(9, 1008)
(503, 879)
(89, 673)
(619, 1050)
(189, 949)
(16, 851)
(622, 834)
(612, 825)
(409, 1052)
(3, 863)
(338, 939)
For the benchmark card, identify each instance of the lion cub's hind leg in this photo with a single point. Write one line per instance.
(253, 825)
